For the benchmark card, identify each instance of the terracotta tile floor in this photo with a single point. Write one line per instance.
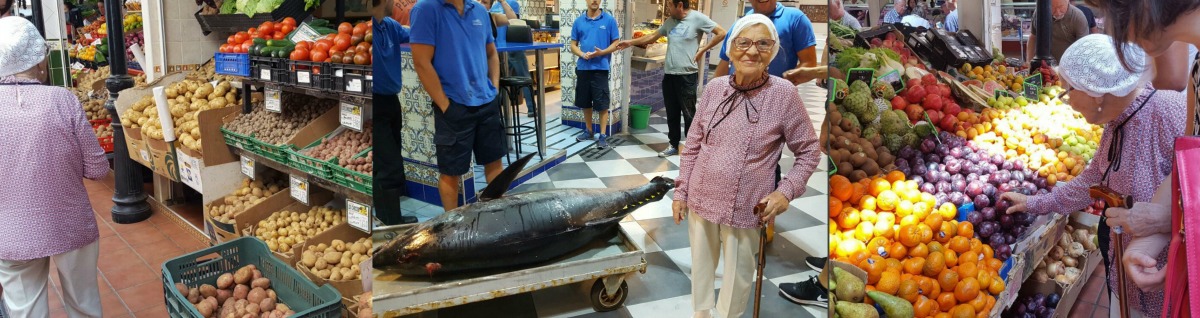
(1093, 299)
(131, 257)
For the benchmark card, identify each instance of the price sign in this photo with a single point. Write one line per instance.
(299, 186)
(1002, 93)
(189, 171)
(273, 101)
(354, 83)
(265, 74)
(304, 77)
(351, 116)
(305, 33)
(865, 75)
(1033, 85)
(248, 167)
(358, 215)
(893, 78)
(145, 155)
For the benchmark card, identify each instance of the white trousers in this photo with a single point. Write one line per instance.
(739, 246)
(1114, 308)
(25, 283)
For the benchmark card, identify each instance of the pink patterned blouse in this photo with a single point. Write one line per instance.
(47, 150)
(726, 170)
(1146, 160)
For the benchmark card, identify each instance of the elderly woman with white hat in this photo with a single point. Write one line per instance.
(1140, 126)
(48, 149)
(727, 167)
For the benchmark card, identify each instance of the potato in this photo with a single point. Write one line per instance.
(224, 294)
(194, 295)
(267, 304)
(308, 259)
(240, 292)
(224, 281)
(257, 274)
(243, 275)
(183, 289)
(252, 308)
(332, 258)
(256, 295)
(205, 309)
(261, 282)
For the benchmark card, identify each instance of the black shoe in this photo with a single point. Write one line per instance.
(816, 263)
(807, 292)
(408, 219)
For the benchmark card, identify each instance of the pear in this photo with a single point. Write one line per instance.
(856, 310)
(850, 288)
(892, 306)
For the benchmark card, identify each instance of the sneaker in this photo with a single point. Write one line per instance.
(807, 292)
(671, 151)
(602, 142)
(584, 137)
(816, 263)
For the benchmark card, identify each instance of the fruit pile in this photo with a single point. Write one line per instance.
(911, 247)
(350, 45)
(1001, 75)
(241, 42)
(1034, 306)
(925, 96)
(132, 22)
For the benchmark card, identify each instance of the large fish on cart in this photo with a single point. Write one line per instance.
(508, 231)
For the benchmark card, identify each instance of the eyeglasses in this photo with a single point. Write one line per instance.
(743, 44)
(1065, 91)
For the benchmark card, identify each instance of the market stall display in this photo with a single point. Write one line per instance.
(922, 156)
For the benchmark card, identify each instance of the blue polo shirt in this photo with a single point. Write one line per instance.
(460, 48)
(795, 35)
(594, 33)
(389, 35)
(502, 32)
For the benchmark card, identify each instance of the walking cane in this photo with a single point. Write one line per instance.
(762, 259)
(1114, 199)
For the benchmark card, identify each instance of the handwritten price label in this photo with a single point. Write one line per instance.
(358, 215)
(351, 116)
(248, 167)
(299, 186)
(273, 102)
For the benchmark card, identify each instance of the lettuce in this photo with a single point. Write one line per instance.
(266, 6)
(229, 7)
(247, 7)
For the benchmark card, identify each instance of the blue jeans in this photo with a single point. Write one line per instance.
(518, 65)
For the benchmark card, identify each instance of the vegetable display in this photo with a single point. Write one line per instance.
(277, 128)
(185, 99)
(338, 260)
(286, 229)
(247, 195)
(242, 293)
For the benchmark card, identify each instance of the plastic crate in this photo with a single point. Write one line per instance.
(277, 153)
(353, 179)
(236, 64)
(319, 168)
(236, 140)
(270, 69)
(353, 79)
(203, 267)
(310, 74)
(107, 144)
(232, 23)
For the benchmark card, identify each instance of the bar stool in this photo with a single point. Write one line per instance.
(511, 87)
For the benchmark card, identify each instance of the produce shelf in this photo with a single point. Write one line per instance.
(327, 184)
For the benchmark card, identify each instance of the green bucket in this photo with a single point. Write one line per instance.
(639, 116)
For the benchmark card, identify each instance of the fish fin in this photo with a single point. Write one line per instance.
(499, 186)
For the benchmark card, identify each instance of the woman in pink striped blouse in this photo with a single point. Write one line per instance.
(727, 166)
(47, 150)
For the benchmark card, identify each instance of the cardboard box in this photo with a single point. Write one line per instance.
(1069, 293)
(137, 148)
(348, 234)
(213, 150)
(227, 231)
(246, 221)
(1043, 237)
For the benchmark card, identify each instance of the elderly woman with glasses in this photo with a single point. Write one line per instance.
(1140, 126)
(741, 125)
(48, 150)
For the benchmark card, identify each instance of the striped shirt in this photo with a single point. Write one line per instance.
(891, 16)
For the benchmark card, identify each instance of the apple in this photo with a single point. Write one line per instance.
(915, 94)
(935, 117)
(952, 109)
(899, 103)
(929, 79)
(932, 101)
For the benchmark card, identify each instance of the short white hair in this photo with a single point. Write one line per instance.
(752, 20)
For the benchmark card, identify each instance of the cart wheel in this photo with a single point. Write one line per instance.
(602, 303)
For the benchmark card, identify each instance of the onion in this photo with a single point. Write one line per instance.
(1064, 241)
(1056, 253)
(1055, 269)
(1073, 274)
(1088, 243)
(1081, 235)
(1062, 279)
(1041, 275)
(1070, 261)
(1077, 250)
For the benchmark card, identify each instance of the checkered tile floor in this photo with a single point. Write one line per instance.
(665, 289)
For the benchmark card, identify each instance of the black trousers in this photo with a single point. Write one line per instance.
(679, 95)
(388, 181)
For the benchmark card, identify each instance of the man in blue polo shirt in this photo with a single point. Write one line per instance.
(389, 181)
(593, 38)
(454, 54)
(797, 58)
(518, 65)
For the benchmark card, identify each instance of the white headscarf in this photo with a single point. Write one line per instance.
(1091, 65)
(21, 47)
(751, 20)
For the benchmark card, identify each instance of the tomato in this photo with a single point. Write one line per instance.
(370, 34)
(304, 45)
(253, 32)
(356, 39)
(342, 42)
(289, 21)
(360, 59)
(330, 37)
(319, 56)
(337, 56)
(348, 59)
(345, 28)
(359, 29)
(245, 48)
(279, 35)
(287, 29)
(231, 40)
(240, 37)
(323, 45)
(299, 55)
(362, 47)
(267, 27)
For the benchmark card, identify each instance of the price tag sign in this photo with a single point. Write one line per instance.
(265, 74)
(304, 77)
(145, 155)
(1002, 93)
(299, 186)
(358, 215)
(351, 116)
(1033, 85)
(189, 171)
(248, 167)
(273, 102)
(865, 75)
(893, 78)
(354, 83)
(305, 33)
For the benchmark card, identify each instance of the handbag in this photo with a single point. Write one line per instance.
(1182, 286)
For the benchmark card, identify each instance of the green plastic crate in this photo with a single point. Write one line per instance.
(353, 179)
(277, 153)
(204, 266)
(313, 166)
(234, 139)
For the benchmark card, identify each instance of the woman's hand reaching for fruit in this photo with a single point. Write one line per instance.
(1017, 202)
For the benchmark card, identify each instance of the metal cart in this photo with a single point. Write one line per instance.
(605, 263)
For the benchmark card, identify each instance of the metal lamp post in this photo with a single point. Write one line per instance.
(129, 198)
(1043, 34)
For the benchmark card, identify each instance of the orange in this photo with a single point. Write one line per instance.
(929, 200)
(951, 258)
(899, 186)
(849, 218)
(884, 227)
(840, 187)
(985, 280)
(914, 265)
(905, 208)
(966, 290)
(868, 216)
(921, 250)
(991, 302)
(908, 291)
(967, 270)
(848, 247)
(909, 235)
(874, 267)
(895, 175)
(897, 251)
(868, 203)
(924, 307)
(943, 314)
(996, 287)
(878, 245)
(835, 207)
(922, 210)
(946, 301)
(889, 282)
(965, 229)
(887, 200)
(893, 264)
(934, 264)
(934, 221)
(988, 253)
(979, 302)
(946, 233)
(935, 247)
(909, 220)
(857, 193)
(959, 244)
(969, 257)
(948, 279)
(858, 256)
(912, 193)
(962, 311)
(864, 232)
(880, 185)
(926, 232)
(976, 245)
(994, 264)
(947, 211)
(929, 286)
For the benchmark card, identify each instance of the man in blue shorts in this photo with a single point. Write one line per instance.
(389, 182)
(454, 54)
(593, 38)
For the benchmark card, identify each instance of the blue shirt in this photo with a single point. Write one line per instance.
(389, 35)
(594, 33)
(795, 35)
(502, 32)
(951, 23)
(460, 48)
